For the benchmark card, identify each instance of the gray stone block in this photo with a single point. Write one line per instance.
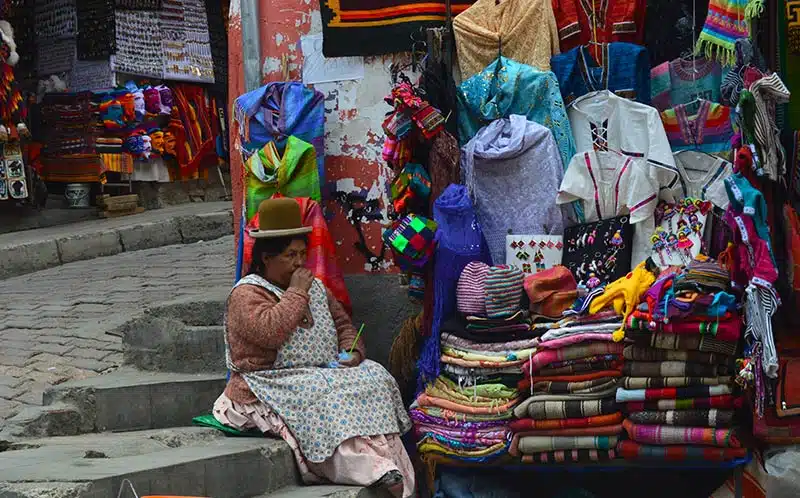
(175, 404)
(206, 226)
(59, 419)
(27, 258)
(150, 235)
(89, 246)
(123, 409)
(131, 400)
(382, 305)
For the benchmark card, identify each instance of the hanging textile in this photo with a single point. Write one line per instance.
(727, 21)
(460, 242)
(522, 30)
(604, 121)
(682, 81)
(498, 165)
(702, 176)
(769, 92)
(279, 110)
(507, 87)
(376, 27)
(195, 130)
(603, 21)
(610, 185)
(624, 69)
(292, 173)
(709, 129)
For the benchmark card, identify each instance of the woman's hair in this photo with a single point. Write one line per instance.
(270, 247)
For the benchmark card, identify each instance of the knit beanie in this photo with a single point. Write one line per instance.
(504, 285)
(470, 289)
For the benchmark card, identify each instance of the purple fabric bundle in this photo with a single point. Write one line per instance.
(460, 241)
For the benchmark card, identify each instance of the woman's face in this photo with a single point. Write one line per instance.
(279, 268)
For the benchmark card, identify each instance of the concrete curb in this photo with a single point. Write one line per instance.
(29, 257)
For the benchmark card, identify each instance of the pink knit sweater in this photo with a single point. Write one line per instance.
(258, 324)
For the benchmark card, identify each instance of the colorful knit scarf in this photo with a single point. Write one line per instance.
(727, 21)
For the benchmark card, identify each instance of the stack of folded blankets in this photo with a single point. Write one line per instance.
(569, 413)
(463, 415)
(677, 390)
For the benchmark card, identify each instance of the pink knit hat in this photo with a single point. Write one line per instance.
(470, 291)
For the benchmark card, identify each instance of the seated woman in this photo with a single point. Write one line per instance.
(287, 342)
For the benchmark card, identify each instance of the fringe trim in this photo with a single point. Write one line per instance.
(754, 9)
(713, 48)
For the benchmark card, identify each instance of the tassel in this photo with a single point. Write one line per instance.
(754, 9)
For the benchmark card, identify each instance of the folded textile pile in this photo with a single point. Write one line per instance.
(463, 414)
(677, 387)
(569, 414)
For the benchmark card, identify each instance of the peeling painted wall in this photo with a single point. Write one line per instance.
(354, 111)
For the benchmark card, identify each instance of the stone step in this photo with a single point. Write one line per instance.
(125, 400)
(183, 336)
(327, 491)
(185, 461)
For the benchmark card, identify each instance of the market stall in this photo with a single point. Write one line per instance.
(119, 92)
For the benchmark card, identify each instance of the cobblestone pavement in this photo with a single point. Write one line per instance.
(53, 323)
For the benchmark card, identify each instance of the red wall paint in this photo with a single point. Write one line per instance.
(353, 121)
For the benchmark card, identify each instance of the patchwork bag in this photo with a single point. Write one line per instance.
(412, 240)
(598, 252)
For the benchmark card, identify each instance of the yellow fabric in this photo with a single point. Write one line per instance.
(428, 446)
(522, 30)
(460, 353)
(624, 295)
(493, 391)
(440, 390)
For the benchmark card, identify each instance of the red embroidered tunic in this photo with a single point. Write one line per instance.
(617, 21)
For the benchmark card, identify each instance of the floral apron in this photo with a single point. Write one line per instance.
(322, 406)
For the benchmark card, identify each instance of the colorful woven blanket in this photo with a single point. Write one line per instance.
(603, 430)
(724, 402)
(634, 451)
(585, 387)
(529, 424)
(625, 395)
(376, 27)
(421, 417)
(546, 357)
(723, 330)
(433, 446)
(703, 418)
(525, 384)
(536, 444)
(666, 434)
(657, 382)
(570, 456)
(669, 369)
(582, 366)
(544, 410)
(641, 353)
(661, 340)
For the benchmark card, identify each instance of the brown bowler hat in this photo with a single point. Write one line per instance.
(279, 218)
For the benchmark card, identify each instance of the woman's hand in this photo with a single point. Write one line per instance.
(302, 279)
(354, 360)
